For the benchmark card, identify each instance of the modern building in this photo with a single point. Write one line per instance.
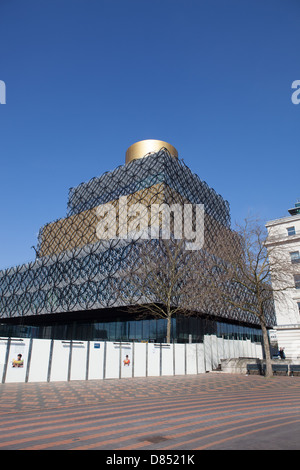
(284, 240)
(71, 290)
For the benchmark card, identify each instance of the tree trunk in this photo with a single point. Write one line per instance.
(169, 318)
(269, 371)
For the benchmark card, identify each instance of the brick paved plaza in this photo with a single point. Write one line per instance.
(207, 411)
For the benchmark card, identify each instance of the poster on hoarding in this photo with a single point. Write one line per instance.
(18, 354)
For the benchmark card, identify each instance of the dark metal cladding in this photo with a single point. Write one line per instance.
(83, 273)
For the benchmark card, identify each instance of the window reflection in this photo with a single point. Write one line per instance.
(183, 330)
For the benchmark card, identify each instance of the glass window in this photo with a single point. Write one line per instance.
(146, 329)
(124, 331)
(59, 331)
(45, 332)
(295, 256)
(225, 330)
(100, 331)
(112, 331)
(82, 331)
(173, 329)
(132, 333)
(139, 330)
(247, 332)
(291, 231)
(297, 281)
(161, 330)
(118, 333)
(152, 332)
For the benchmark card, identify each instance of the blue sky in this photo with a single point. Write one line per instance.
(87, 78)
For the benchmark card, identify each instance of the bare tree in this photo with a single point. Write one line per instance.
(230, 277)
(158, 282)
(237, 274)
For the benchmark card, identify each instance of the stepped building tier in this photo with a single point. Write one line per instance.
(72, 289)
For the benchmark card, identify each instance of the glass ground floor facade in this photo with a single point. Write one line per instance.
(113, 325)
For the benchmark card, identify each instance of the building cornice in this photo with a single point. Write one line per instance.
(282, 240)
(283, 220)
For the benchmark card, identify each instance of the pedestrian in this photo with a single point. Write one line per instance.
(281, 353)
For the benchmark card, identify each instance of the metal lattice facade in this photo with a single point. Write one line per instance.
(74, 270)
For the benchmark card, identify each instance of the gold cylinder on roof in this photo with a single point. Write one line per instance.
(143, 148)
